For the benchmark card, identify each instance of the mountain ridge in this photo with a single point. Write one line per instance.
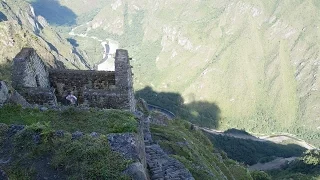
(23, 28)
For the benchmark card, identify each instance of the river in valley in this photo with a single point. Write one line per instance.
(109, 49)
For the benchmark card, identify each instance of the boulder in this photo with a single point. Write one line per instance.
(136, 171)
(14, 129)
(77, 135)
(17, 99)
(4, 93)
(59, 133)
(94, 135)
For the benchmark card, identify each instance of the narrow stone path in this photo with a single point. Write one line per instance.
(160, 165)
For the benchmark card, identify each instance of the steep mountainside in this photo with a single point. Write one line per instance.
(101, 144)
(20, 27)
(258, 61)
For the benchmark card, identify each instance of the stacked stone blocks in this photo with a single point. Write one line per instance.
(30, 78)
(102, 89)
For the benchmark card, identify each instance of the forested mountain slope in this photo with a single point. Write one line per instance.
(258, 61)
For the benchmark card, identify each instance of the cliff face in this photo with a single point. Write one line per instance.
(20, 27)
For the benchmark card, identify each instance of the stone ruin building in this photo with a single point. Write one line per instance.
(41, 85)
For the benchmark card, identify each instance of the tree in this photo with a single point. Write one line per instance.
(312, 157)
(260, 175)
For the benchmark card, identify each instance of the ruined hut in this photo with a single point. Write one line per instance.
(102, 89)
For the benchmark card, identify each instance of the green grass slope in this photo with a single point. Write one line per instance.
(57, 154)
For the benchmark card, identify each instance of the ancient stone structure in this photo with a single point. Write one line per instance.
(30, 78)
(102, 89)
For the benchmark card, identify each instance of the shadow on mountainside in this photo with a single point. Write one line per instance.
(54, 12)
(202, 113)
(3, 17)
(251, 151)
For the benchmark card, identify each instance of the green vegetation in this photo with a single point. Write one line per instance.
(38, 149)
(251, 152)
(312, 157)
(260, 175)
(84, 158)
(71, 119)
(297, 170)
(195, 151)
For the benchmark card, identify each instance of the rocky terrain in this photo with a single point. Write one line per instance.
(21, 27)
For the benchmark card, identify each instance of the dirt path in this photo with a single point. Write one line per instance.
(281, 138)
(274, 138)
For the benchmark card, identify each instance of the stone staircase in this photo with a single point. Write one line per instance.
(160, 165)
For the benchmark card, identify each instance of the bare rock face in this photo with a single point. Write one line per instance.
(4, 93)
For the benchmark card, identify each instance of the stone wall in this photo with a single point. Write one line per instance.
(78, 81)
(30, 78)
(124, 81)
(29, 70)
(102, 89)
(41, 96)
(104, 99)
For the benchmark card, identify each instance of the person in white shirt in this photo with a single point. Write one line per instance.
(72, 98)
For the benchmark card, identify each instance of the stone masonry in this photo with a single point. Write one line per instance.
(102, 89)
(80, 81)
(161, 166)
(30, 78)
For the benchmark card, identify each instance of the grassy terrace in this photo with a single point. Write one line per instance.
(59, 156)
(104, 122)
